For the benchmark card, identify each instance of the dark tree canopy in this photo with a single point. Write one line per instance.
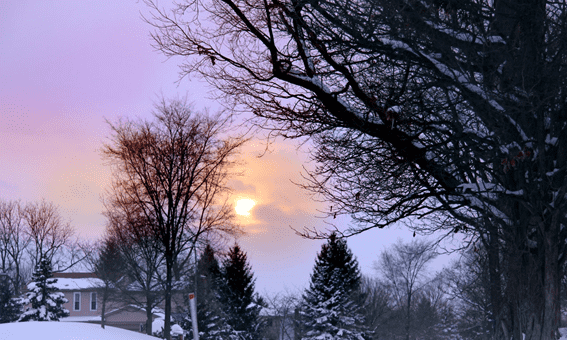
(10, 304)
(211, 317)
(237, 295)
(169, 182)
(330, 309)
(110, 267)
(449, 112)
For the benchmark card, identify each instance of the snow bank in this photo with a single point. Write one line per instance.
(159, 324)
(66, 331)
(563, 332)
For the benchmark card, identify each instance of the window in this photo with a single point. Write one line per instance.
(77, 301)
(93, 300)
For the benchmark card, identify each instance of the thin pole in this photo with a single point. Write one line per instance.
(193, 306)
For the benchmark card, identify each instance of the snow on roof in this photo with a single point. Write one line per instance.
(81, 318)
(76, 284)
(269, 312)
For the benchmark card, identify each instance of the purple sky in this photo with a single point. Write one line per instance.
(67, 66)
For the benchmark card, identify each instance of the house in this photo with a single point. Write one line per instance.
(129, 317)
(82, 291)
(278, 325)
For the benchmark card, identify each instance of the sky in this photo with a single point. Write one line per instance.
(67, 68)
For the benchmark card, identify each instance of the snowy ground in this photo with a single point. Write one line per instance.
(82, 331)
(66, 331)
(563, 332)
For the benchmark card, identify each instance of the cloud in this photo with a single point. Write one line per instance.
(240, 187)
(283, 258)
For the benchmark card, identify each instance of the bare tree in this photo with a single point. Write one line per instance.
(49, 235)
(468, 285)
(105, 259)
(164, 170)
(416, 108)
(280, 311)
(377, 306)
(14, 240)
(404, 270)
(142, 255)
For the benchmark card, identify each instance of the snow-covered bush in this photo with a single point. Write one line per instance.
(158, 325)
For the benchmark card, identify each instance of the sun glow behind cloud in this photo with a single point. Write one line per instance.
(243, 206)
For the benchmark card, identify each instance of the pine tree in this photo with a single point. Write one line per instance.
(10, 307)
(236, 289)
(331, 307)
(109, 267)
(211, 318)
(46, 301)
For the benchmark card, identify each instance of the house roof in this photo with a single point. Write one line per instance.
(75, 275)
(73, 281)
(77, 281)
(78, 284)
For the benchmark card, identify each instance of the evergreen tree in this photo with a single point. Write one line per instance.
(236, 289)
(211, 318)
(10, 307)
(109, 267)
(46, 301)
(331, 307)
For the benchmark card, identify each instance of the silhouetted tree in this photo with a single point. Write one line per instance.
(10, 304)
(236, 293)
(378, 308)
(332, 308)
(404, 270)
(468, 284)
(14, 240)
(449, 110)
(142, 255)
(110, 267)
(172, 173)
(49, 235)
(211, 316)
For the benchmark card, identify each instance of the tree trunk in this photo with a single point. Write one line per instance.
(530, 303)
(550, 314)
(103, 312)
(149, 303)
(500, 326)
(169, 278)
(408, 321)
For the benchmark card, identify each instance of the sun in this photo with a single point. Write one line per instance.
(243, 206)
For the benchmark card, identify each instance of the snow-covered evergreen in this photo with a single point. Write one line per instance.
(46, 301)
(331, 307)
(236, 293)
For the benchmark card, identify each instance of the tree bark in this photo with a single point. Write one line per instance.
(149, 320)
(103, 312)
(550, 316)
(168, 286)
